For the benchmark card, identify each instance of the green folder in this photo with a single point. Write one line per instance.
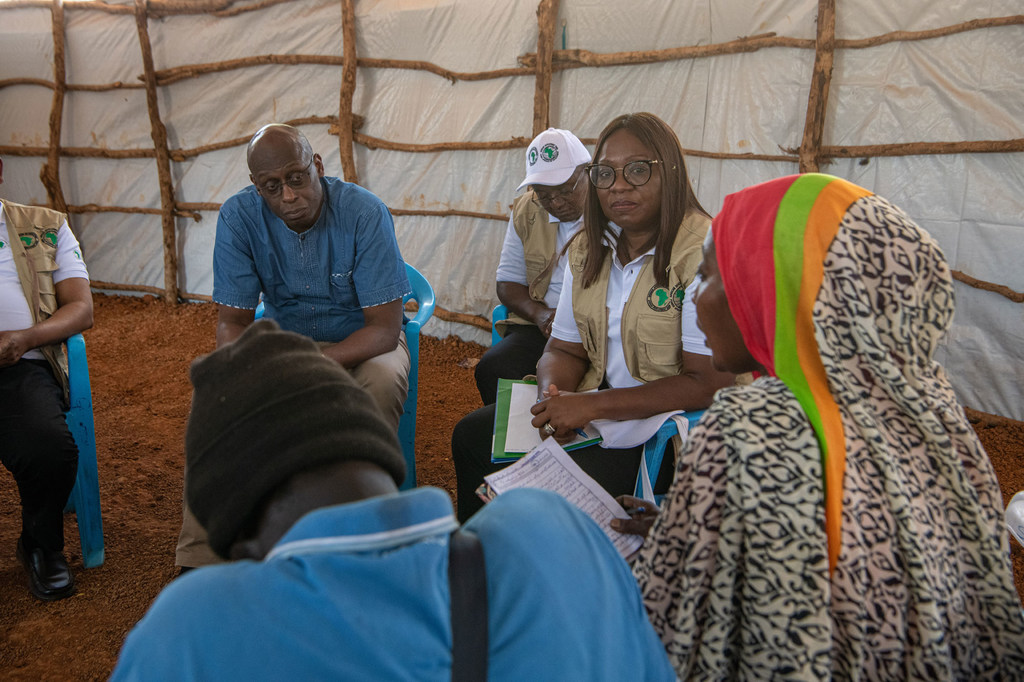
(524, 436)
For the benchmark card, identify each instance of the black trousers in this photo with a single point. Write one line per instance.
(37, 448)
(514, 357)
(614, 470)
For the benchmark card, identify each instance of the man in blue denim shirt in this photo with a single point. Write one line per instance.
(324, 256)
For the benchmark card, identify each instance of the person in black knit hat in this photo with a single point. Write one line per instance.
(338, 575)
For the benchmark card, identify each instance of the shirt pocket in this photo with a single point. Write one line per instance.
(659, 345)
(343, 290)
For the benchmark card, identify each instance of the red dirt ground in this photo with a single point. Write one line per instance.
(139, 353)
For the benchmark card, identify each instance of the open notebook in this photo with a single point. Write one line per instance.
(549, 467)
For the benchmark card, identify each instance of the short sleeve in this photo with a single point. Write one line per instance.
(564, 326)
(235, 281)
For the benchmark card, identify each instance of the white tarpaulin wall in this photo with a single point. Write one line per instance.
(962, 87)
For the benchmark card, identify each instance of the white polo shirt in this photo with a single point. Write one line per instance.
(14, 310)
(620, 284)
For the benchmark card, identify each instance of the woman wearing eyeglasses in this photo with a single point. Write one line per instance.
(624, 321)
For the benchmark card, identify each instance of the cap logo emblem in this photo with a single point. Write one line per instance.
(549, 152)
(532, 155)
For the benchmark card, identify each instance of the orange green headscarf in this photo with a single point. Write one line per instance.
(770, 242)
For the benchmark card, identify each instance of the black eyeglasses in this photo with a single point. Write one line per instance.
(548, 197)
(295, 180)
(636, 173)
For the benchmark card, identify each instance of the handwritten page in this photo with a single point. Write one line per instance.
(549, 467)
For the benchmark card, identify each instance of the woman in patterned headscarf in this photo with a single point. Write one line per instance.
(838, 518)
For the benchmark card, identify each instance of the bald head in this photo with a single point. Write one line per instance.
(273, 141)
(285, 171)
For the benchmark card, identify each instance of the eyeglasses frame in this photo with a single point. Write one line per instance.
(273, 193)
(649, 162)
(548, 198)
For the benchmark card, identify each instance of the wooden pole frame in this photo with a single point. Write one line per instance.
(821, 81)
(163, 162)
(50, 174)
(541, 66)
(547, 19)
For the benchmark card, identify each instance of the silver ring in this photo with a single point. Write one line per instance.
(549, 429)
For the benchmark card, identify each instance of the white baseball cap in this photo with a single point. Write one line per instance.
(552, 157)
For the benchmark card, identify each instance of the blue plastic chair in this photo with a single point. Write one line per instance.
(500, 312)
(85, 497)
(423, 294)
(655, 449)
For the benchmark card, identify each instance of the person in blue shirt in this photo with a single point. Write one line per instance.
(322, 254)
(339, 576)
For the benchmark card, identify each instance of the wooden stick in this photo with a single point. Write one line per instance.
(575, 59)
(821, 80)
(163, 163)
(96, 208)
(346, 144)
(547, 17)
(7, 82)
(1000, 289)
(462, 318)
(449, 212)
(908, 36)
(377, 143)
(452, 76)
(182, 154)
(179, 73)
(923, 148)
(50, 174)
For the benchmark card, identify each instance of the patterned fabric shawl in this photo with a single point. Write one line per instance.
(838, 517)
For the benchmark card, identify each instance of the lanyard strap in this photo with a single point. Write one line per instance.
(467, 582)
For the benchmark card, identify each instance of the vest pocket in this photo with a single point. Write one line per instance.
(659, 346)
(586, 338)
(45, 265)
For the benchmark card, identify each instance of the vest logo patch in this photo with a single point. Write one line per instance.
(678, 294)
(658, 299)
(50, 236)
(549, 152)
(29, 239)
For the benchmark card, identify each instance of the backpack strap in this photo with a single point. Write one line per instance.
(467, 583)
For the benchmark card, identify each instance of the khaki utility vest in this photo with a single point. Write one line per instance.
(539, 236)
(652, 318)
(32, 233)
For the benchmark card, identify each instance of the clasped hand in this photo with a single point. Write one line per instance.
(563, 410)
(12, 347)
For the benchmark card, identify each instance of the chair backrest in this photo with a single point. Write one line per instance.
(85, 497)
(500, 312)
(654, 450)
(423, 294)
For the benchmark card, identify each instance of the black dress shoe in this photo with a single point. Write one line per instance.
(49, 577)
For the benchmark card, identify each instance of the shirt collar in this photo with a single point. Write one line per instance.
(377, 523)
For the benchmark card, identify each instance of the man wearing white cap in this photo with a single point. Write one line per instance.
(529, 276)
